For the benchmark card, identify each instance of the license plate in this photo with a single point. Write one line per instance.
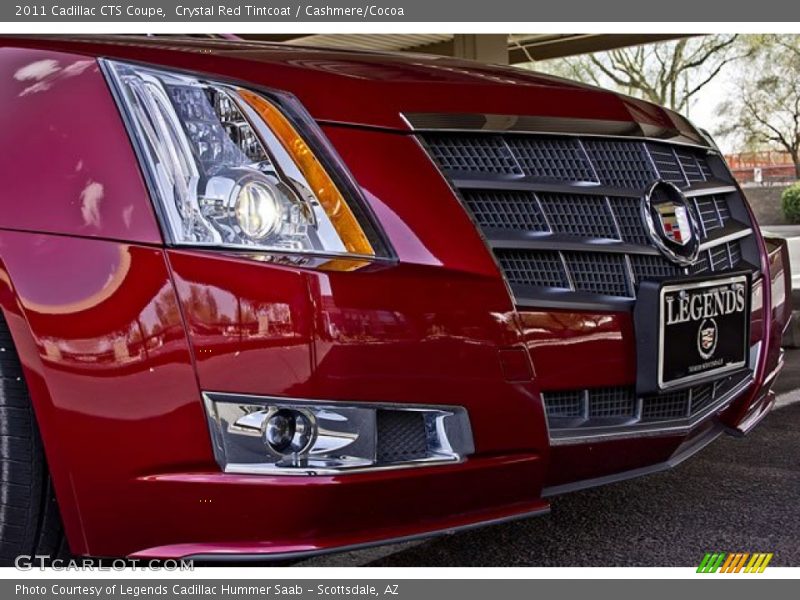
(703, 329)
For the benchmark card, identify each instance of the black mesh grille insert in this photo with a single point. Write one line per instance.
(620, 163)
(593, 407)
(707, 209)
(673, 405)
(691, 165)
(719, 258)
(702, 397)
(666, 163)
(401, 436)
(612, 402)
(584, 216)
(500, 209)
(629, 218)
(551, 158)
(565, 404)
(471, 153)
(735, 251)
(705, 167)
(647, 266)
(702, 265)
(532, 267)
(723, 209)
(598, 273)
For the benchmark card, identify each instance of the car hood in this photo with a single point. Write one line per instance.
(378, 89)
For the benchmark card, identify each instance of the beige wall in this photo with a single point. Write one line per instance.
(766, 203)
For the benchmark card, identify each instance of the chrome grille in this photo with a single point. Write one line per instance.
(563, 217)
(563, 213)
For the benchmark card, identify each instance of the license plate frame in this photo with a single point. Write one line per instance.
(727, 362)
(671, 344)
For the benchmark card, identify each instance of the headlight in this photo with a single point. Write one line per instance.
(229, 169)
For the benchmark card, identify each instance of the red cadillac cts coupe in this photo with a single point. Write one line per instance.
(270, 301)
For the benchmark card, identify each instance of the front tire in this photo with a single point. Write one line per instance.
(30, 523)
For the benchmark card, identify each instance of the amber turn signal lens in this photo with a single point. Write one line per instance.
(324, 188)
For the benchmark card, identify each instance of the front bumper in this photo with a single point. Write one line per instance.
(508, 477)
(278, 517)
(128, 443)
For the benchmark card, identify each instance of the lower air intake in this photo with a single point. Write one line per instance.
(401, 436)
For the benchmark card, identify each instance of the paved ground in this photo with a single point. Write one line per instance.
(736, 495)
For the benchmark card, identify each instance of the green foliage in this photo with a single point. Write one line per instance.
(790, 200)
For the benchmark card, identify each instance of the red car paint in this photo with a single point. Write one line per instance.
(118, 335)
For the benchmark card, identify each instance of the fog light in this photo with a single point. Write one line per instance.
(289, 431)
(263, 435)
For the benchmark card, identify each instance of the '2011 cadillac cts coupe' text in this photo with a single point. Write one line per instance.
(264, 300)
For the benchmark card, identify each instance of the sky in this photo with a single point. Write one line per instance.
(703, 112)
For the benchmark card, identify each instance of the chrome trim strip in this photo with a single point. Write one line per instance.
(751, 421)
(544, 125)
(697, 192)
(658, 429)
(522, 240)
(764, 403)
(536, 240)
(724, 239)
(468, 181)
(231, 557)
(534, 297)
(778, 368)
(680, 165)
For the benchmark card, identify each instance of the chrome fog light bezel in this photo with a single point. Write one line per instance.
(345, 437)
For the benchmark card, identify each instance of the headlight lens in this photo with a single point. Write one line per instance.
(229, 169)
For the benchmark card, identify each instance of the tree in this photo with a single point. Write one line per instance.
(764, 110)
(667, 73)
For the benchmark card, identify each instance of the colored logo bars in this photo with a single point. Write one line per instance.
(734, 562)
